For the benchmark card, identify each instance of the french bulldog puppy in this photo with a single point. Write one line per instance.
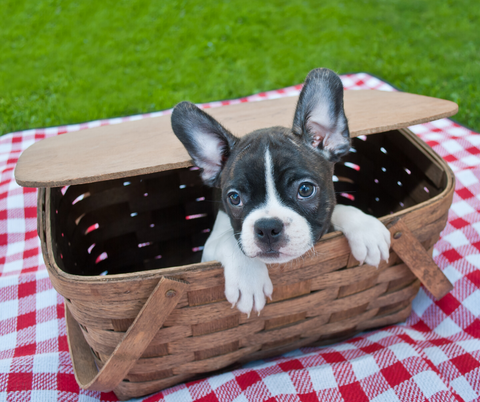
(277, 196)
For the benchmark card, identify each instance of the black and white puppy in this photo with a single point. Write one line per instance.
(276, 189)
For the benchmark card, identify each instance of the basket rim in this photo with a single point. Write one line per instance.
(45, 233)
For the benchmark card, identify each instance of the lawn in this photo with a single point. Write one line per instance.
(65, 62)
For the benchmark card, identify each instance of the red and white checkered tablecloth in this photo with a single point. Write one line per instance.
(434, 356)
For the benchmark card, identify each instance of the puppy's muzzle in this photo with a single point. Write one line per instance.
(269, 233)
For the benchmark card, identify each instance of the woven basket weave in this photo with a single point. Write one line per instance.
(159, 317)
(148, 223)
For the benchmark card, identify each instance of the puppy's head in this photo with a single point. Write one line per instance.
(276, 183)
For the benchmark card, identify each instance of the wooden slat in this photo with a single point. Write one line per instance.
(214, 339)
(290, 291)
(299, 329)
(149, 145)
(343, 277)
(419, 261)
(359, 286)
(339, 326)
(282, 341)
(353, 301)
(204, 296)
(264, 354)
(152, 376)
(346, 314)
(395, 297)
(221, 324)
(376, 322)
(284, 321)
(217, 350)
(215, 363)
(161, 363)
(108, 340)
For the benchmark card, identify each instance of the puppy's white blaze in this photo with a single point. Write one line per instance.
(298, 233)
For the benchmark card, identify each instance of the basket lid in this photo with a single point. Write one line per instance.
(149, 145)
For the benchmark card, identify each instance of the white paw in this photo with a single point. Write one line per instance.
(247, 284)
(368, 238)
(369, 241)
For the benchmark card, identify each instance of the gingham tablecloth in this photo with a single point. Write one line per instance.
(434, 356)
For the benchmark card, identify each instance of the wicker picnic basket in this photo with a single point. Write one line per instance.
(124, 200)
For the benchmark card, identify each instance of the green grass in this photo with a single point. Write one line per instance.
(65, 62)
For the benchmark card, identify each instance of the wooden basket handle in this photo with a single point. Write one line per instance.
(412, 253)
(149, 320)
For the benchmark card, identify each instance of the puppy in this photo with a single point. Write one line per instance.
(277, 196)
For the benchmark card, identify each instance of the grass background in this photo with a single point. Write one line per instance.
(67, 61)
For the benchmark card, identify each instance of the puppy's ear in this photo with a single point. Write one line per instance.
(205, 139)
(320, 117)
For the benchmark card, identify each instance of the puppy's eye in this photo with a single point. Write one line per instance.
(234, 199)
(306, 190)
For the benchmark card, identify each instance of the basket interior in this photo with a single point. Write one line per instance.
(163, 219)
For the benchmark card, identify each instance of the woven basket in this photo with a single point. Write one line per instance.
(159, 317)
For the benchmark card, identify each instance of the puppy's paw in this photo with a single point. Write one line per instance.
(247, 285)
(368, 238)
(370, 242)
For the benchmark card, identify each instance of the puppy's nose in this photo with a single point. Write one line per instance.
(268, 230)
